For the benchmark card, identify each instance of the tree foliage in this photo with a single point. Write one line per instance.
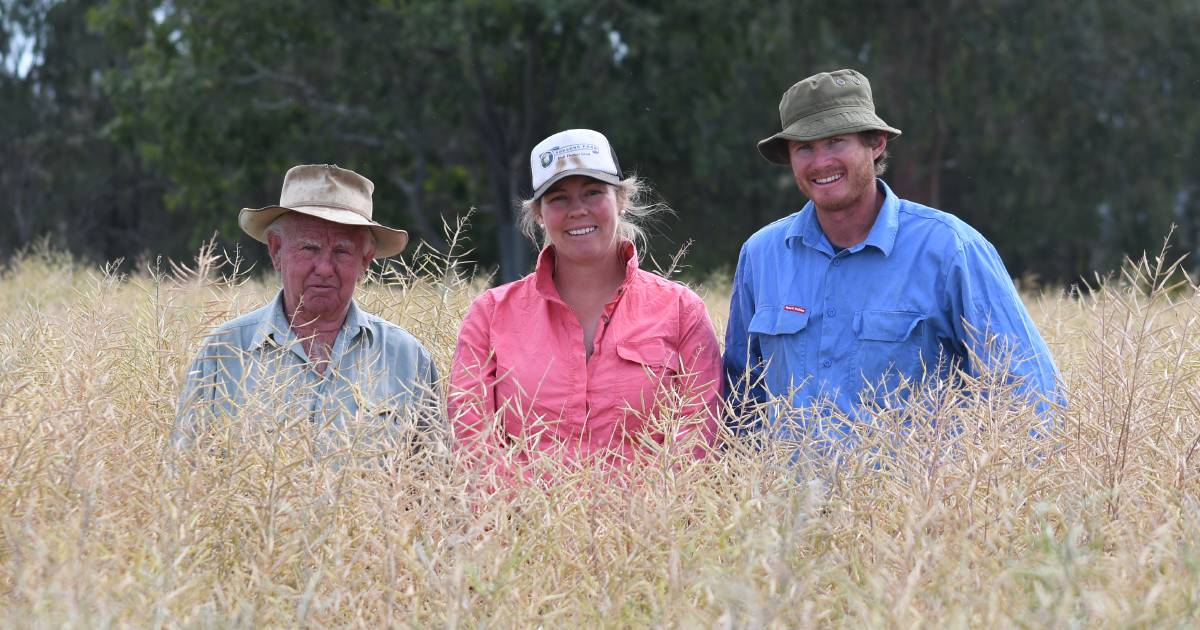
(1065, 132)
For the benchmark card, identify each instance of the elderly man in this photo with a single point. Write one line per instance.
(862, 293)
(312, 355)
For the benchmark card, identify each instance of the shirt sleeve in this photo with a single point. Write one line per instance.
(426, 400)
(700, 380)
(993, 325)
(471, 403)
(743, 358)
(431, 381)
(194, 399)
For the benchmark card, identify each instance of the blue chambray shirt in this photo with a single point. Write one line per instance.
(820, 327)
(256, 366)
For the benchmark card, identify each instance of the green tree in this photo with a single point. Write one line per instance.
(62, 176)
(438, 102)
(1063, 131)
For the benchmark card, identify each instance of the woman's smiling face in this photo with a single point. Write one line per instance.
(580, 216)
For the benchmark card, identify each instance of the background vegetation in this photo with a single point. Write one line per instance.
(1066, 132)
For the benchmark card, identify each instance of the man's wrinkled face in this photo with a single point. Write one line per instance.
(320, 263)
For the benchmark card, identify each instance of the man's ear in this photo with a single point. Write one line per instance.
(878, 151)
(274, 246)
(368, 256)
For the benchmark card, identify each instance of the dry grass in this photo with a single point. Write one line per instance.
(100, 525)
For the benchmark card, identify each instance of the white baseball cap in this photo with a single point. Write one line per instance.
(572, 152)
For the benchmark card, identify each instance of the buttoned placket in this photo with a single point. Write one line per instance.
(605, 319)
(339, 364)
(825, 351)
(311, 386)
(577, 357)
(598, 338)
(316, 383)
(826, 311)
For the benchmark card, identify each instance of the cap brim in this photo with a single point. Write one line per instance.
(823, 124)
(388, 241)
(603, 176)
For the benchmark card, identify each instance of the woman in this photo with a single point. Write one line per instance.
(589, 356)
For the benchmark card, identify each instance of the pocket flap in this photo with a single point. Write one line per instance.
(653, 352)
(773, 320)
(887, 325)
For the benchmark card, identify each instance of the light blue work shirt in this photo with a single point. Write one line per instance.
(379, 377)
(821, 328)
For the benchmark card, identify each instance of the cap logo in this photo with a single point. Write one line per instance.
(570, 150)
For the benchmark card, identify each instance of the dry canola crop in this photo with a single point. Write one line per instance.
(954, 517)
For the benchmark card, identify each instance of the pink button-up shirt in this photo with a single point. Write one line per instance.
(521, 384)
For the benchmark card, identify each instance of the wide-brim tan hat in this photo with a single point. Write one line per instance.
(327, 192)
(821, 106)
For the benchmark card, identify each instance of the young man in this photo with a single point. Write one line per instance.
(838, 305)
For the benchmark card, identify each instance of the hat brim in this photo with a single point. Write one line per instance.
(603, 176)
(824, 124)
(388, 241)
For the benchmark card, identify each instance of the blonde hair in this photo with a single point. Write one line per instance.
(635, 203)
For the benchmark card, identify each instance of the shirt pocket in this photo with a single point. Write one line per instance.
(781, 338)
(889, 345)
(644, 367)
(385, 421)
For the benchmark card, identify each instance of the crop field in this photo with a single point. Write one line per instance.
(950, 516)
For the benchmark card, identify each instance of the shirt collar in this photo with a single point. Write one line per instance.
(356, 322)
(883, 234)
(544, 272)
(805, 227)
(274, 328)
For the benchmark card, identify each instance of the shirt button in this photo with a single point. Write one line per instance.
(831, 312)
(826, 363)
(837, 262)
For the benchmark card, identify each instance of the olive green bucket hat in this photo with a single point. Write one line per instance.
(824, 105)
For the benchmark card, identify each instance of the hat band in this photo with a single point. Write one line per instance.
(824, 124)
(324, 204)
(841, 103)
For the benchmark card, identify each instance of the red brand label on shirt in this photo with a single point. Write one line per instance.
(795, 309)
